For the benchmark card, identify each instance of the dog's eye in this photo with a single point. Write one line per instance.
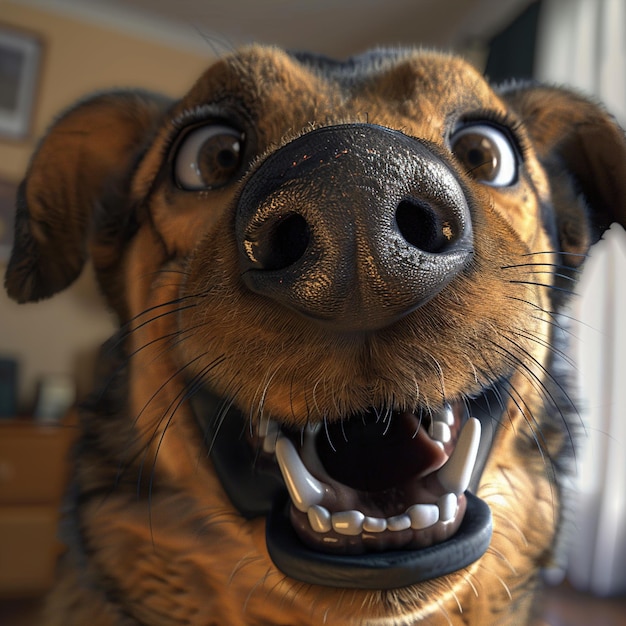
(487, 153)
(209, 157)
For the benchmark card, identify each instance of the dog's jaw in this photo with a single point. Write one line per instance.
(390, 529)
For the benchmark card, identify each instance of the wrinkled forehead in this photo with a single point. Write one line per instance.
(417, 92)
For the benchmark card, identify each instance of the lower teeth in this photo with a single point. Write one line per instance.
(416, 517)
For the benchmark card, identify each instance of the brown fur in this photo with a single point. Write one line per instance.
(155, 539)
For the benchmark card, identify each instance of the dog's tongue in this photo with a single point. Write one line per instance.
(372, 453)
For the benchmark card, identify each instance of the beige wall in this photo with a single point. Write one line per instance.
(57, 336)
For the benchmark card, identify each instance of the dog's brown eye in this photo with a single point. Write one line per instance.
(209, 157)
(487, 154)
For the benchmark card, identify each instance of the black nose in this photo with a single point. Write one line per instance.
(353, 225)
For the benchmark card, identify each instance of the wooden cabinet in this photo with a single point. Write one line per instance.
(33, 471)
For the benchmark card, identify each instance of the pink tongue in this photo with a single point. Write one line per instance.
(371, 455)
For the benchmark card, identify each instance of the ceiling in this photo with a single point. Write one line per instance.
(334, 27)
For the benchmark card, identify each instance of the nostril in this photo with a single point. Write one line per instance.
(423, 227)
(278, 244)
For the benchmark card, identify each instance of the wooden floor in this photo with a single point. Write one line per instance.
(561, 607)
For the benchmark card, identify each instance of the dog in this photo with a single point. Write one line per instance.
(338, 393)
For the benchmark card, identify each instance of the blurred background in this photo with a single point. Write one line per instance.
(53, 52)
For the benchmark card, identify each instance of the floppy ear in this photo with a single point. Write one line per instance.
(79, 175)
(583, 151)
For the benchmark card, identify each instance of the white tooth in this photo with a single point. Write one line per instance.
(399, 522)
(269, 431)
(440, 432)
(305, 490)
(423, 515)
(319, 518)
(447, 507)
(374, 524)
(456, 474)
(348, 522)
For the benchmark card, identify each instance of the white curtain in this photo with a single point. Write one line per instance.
(583, 43)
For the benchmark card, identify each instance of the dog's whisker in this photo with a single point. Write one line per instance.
(555, 317)
(557, 326)
(518, 399)
(522, 334)
(507, 520)
(467, 577)
(110, 380)
(572, 279)
(165, 416)
(568, 292)
(258, 584)
(499, 578)
(549, 464)
(444, 612)
(534, 380)
(552, 266)
(131, 327)
(537, 307)
(178, 335)
(578, 255)
(177, 401)
(327, 433)
(245, 561)
(112, 346)
(542, 389)
(455, 596)
(219, 422)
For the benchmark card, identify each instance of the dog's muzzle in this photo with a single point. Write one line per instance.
(353, 226)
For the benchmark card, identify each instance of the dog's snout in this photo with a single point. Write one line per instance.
(354, 226)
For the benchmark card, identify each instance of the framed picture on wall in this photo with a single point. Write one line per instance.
(20, 59)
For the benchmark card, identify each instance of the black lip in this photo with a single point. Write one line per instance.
(256, 492)
(384, 570)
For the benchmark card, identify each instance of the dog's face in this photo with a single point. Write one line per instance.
(355, 270)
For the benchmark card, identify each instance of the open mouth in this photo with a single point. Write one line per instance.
(379, 500)
(375, 483)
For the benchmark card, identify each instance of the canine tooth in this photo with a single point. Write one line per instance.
(374, 524)
(455, 475)
(447, 507)
(319, 518)
(423, 515)
(440, 431)
(348, 522)
(305, 490)
(399, 522)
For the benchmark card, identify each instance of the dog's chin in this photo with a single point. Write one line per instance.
(378, 500)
